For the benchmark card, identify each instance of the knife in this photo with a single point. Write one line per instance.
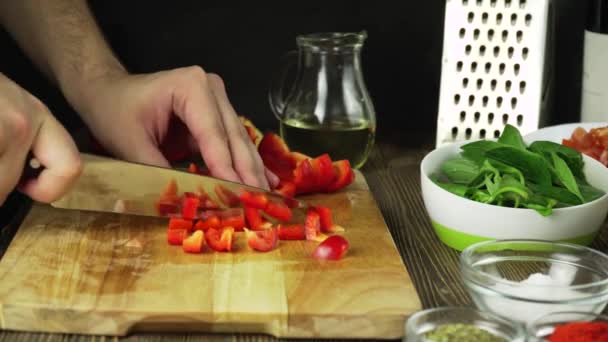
(115, 186)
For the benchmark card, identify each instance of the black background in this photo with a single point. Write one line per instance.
(244, 41)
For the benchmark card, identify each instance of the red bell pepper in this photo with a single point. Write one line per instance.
(232, 218)
(190, 206)
(279, 211)
(286, 188)
(208, 219)
(166, 207)
(227, 197)
(220, 239)
(304, 177)
(327, 225)
(276, 156)
(323, 171)
(178, 223)
(253, 200)
(176, 236)
(333, 248)
(291, 232)
(262, 240)
(194, 243)
(312, 226)
(193, 168)
(254, 219)
(344, 175)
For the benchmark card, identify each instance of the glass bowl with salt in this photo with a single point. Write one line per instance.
(522, 280)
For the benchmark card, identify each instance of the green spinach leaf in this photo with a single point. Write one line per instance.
(460, 170)
(476, 151)
(510, 136)
(531, 165)
(565, 176)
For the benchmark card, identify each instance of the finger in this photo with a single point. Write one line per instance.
(246, 160)
(144, 151)
(273, 179)
(57, 152)
(195, 105)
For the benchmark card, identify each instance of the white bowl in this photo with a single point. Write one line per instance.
(460, 222)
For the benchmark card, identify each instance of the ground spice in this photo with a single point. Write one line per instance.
(461, 333)
(580, 332)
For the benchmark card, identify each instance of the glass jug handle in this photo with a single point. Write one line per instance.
(277, 96)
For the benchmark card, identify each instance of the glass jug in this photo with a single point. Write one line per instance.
(327, 109)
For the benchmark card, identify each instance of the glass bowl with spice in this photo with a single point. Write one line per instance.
(523, 280)
(569, 327)
(460, 324)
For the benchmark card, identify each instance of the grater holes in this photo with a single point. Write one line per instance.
(482, 133)
(522, 87)
(484, 101)
(457, 99)
(465, 82)
(490, 34)
(507, 3)
(493, 85)
(522, 4)
(463, 116)
(520, 36)
(454, 132)
(479, 2)
(476, 34)
(496, 51)
(484, 18)
(501, 68)
(459, 66)
(462, 32)
(493, 3)
(467, 49)
(490, 118)
(488, 67)
(513, 102)
(496, 134)
(474, 67)
(505, 118)
(499, 101)
(520, 120)
(505, 35)
(524, 52)
(470, 17)
(528, 19)
(479, 83)
(516, 69)
(467, 133)
(508, 84)
(513, 19)
(511, 51)
(465, 2)
(498, 18)
(482, 50)
(476, 117)
(471, 100)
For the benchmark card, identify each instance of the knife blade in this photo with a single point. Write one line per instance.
(115, 186)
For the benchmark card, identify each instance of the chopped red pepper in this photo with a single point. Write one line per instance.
(166, 207)
(344, 175)
(327, 224)
(176, 236)
(220, 239)
(254, 200)
(193, 168)
(323, 171)
(333, 248)
(291, 232)
(208, 219)
(286, 188)
(276, 156)
(254, 219)
(312, 226)
(278, 210)
(227, 197)
(178, 223)
(262, 240)
(233, 218)
(304, 177)
(190, 206)
(194, 243)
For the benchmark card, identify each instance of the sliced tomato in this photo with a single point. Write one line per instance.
(344, 175)
(262, 240)
(254, 219)
(276, 156)
(286, 188)
(333, 248)
(194, 243)
(220, 239)
(254, 200)
(190, 207)
(291, 232)
(232, 218)
(176, 236)
(227, 197)
(279, 211)
(179, 223)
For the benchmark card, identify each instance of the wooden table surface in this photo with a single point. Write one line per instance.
(392, 173)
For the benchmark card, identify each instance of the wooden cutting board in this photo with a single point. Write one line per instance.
(94, 273)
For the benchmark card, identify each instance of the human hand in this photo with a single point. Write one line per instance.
(140, 118)
(26, 125)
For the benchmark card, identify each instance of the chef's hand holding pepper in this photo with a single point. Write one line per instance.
(26, 125)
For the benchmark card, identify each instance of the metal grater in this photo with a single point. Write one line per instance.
(496, 68)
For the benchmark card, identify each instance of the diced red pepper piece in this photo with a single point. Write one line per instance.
(299, 157)
(344, 175)
(220, 239)
(304, 177)
(312, 225)
(291, 232)
(194, 243)
(189, 207)
(193, 168)
(325, 218)
(227, 197)
(262, 240)
(276, 156)
(176, 236)
(254, 219)
(323, 171)
(208, 219)
(166, 207)
(209, 204)
(232, 218)
(254, 200)
(333, 248)
(179, 223)
(278, 210)
(170, 190)
(286, 188)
